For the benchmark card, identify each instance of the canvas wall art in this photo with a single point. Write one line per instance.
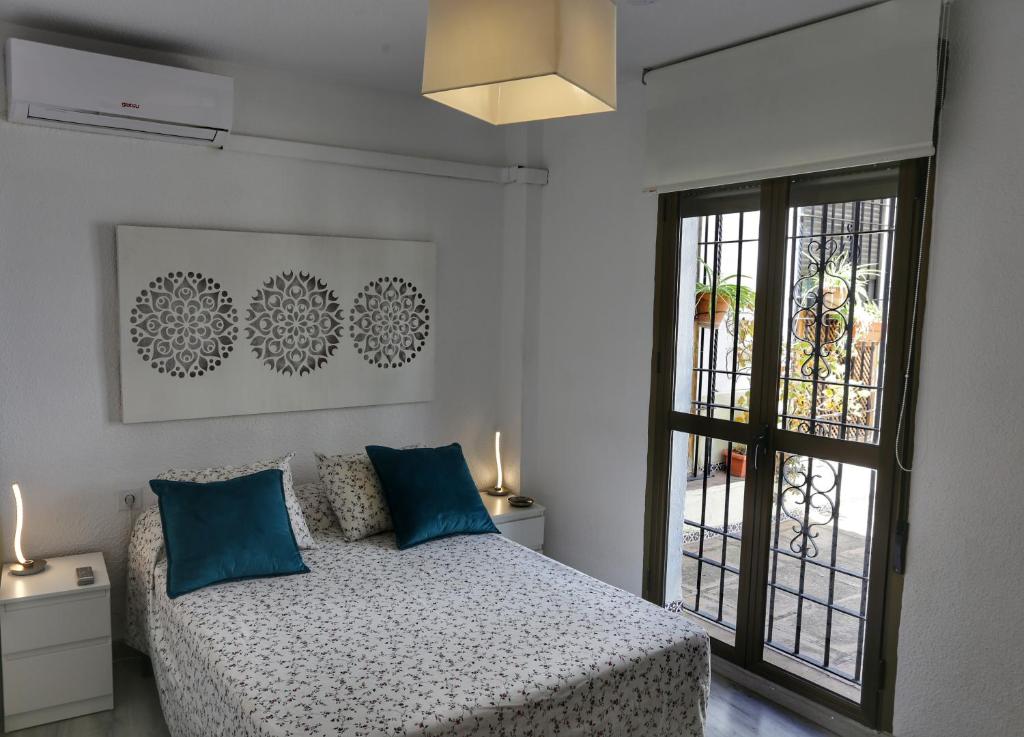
(218, 323)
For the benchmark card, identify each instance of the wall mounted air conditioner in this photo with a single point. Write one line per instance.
(65, 88)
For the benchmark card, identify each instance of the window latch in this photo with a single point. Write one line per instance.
(760, 445)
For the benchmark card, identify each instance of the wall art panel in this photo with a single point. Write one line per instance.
(218, 323)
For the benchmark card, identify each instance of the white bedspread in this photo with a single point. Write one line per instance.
(471, 635)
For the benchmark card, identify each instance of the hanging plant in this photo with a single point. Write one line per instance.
(727, 294)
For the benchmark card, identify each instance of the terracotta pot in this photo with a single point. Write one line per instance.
(738, 464)
(702, 312)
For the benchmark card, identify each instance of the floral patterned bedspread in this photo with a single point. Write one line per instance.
(471, 635)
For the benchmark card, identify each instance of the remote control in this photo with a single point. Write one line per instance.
(85, 576)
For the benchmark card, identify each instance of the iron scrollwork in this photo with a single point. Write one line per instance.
(821, 295)
(807, 497)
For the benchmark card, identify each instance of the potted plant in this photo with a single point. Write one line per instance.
(727, 293)
(702, 312)
(738, 460)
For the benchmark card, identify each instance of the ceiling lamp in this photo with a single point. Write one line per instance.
(510, 61)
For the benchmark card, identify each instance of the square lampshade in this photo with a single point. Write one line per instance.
(510, 61)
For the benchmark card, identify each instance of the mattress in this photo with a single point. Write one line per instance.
(470, 635)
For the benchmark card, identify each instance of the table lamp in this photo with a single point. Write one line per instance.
(498, 489)
(23, 567)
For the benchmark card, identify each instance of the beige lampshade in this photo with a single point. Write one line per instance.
(510, 61)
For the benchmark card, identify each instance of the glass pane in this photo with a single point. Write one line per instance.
(706, 530)
(819, 558)
(718, 283)
(838, 260)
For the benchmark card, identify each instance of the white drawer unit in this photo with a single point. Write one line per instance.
(525, 525)
(55, 642)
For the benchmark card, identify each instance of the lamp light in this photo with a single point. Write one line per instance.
(23, 567)
(499, 488)
(510, 61)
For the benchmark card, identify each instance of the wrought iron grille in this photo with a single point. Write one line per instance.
(712, 536)
(833, 351)
(837, 276)
(723, 326)
(717, 344)
(800, 556)
(819, 561)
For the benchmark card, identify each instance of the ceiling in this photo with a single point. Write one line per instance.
(379, 43)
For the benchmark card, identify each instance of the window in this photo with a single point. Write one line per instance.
(773, 495)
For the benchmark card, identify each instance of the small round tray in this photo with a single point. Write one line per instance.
(521, 501)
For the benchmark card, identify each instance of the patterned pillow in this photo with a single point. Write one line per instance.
(316, 508)
(204, 475)
(354, 492)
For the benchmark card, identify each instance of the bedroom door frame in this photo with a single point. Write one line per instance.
(887, 563)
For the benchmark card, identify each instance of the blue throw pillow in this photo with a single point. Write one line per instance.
(430, 493)
(226, 531)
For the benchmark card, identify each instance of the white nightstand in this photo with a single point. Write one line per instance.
(55, 641)
(525, 525)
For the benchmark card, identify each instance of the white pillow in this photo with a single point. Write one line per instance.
(353, 489)
(204, 475)
(316, 508)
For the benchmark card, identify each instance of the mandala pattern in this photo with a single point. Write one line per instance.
(389, 322)
(294, 323)
(184, 324)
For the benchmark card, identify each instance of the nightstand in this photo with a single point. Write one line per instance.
(55, 642)
(525, 525)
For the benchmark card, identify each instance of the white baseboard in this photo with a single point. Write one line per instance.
(812, 711)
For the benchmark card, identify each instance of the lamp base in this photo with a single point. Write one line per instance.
(498, 491)
(28, 568)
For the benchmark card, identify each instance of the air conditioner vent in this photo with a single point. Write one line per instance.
(65, 88)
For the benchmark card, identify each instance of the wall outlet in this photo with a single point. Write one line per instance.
(129, 500)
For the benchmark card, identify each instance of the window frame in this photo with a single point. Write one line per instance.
(911, 243)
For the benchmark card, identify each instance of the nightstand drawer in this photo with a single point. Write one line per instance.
(528, 532)
(58, 620)
(63, 676)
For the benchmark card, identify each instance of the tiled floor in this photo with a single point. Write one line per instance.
(839, 632)
(844, 633)
(733, 711)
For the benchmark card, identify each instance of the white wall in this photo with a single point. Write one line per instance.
(961, 651)
(62, 193)
(587, 380)
(519, 247)
(567, 291)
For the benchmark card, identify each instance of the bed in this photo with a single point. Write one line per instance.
(469, 635)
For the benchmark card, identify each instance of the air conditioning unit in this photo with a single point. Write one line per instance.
(65, 88)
